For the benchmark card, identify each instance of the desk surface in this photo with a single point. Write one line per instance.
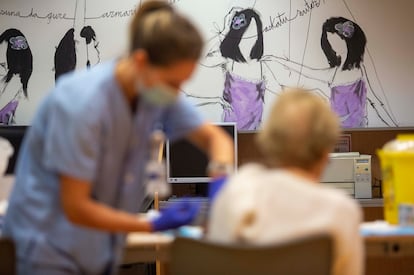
(148, 239)
(147, 247)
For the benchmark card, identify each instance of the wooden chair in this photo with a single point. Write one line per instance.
(7, 257)
(311, 255)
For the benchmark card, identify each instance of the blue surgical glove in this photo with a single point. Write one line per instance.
(178, 214)
(214, 187)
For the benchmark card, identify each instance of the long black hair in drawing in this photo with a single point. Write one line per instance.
(354, 37)
(240, 22)
(19, 57)
(65, 54)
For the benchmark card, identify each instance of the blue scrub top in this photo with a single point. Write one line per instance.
(85, 128)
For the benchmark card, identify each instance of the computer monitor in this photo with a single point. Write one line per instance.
(188, 164)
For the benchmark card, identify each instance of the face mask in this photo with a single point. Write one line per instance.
(158, 95)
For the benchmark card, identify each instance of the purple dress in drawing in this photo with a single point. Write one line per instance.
(349, 102)
(246, 100)
(7, 112)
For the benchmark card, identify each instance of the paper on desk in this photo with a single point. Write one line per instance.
(382, 228)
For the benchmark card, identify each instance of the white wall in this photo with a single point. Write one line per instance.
(387, 24)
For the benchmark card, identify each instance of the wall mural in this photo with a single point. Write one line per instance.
(254, 51)
(343, 43)
(65, 54)
(19, 63)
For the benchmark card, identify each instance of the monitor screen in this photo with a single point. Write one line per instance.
(187, 164)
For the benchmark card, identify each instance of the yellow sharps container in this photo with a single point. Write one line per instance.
(397, 166)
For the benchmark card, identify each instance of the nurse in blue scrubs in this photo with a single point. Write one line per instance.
(80, 175)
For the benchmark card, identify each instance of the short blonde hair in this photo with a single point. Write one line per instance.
(300, 130)
(166, 35)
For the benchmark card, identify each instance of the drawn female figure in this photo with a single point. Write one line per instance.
(88, 33)
(241, 58)
(343, 43)
(19, 62)
(65, 58)
(245, 97)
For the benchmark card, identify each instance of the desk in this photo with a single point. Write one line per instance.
(389, 246)
(385, 255)
(147, 247)
(389, 255)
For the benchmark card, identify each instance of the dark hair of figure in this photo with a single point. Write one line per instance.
(355, 44)
(229, 47)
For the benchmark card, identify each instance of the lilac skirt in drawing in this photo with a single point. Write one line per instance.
(7, 112)
(349, 102)
(246, 100)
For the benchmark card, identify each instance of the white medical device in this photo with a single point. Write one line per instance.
(350, 172)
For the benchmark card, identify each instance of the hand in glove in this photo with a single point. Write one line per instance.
(178, 214)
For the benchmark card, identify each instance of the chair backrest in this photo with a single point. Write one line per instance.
(310, 255)
(7, 257)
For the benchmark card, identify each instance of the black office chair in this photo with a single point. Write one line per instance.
(7, 257)
(311, 255)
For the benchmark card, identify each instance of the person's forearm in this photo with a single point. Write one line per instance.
(218, 145)
(99, 216)
(221, 152)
